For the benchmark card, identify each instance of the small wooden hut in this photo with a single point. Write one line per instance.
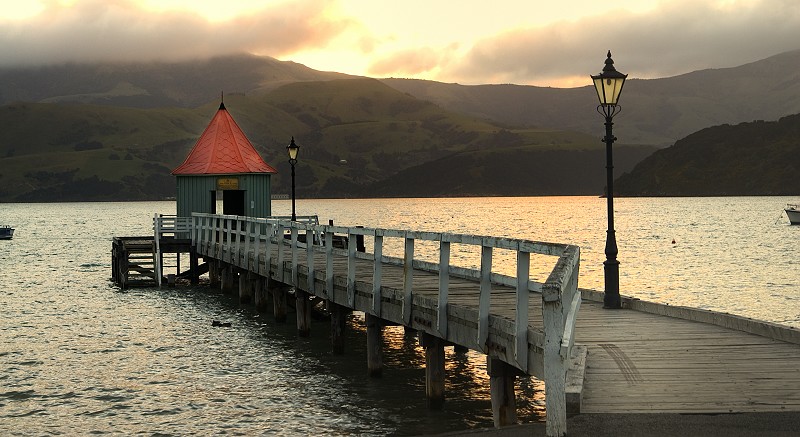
(224, 165)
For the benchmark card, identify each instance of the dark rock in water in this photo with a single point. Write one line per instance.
(220, 324)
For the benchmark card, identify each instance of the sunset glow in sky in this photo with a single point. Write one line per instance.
(533, 42)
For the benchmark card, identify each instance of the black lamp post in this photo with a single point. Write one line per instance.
(609, 87)
(293, 148)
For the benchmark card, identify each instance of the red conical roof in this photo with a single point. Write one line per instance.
(223, 149)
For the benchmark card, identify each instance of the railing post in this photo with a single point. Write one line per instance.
(521, 316)
(194, 231)
(352, 247)
(279, 234)
(216, 237)
(328, 265)
(484, 301)
(554, 362)
(238, 243)
(444, 285)
(157, 242)
(377, 273)
(270, 230)
(294, 254)
(247, 224)
(257, 247)
(310, 258)
(229, 240)
(408, 279)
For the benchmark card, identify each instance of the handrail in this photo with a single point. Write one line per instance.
(167, 225)
(170, 224)
(235, 236)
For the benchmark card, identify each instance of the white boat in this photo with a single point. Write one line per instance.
(793, 212)
(6, 232)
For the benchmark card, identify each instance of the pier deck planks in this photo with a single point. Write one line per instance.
(647, 363)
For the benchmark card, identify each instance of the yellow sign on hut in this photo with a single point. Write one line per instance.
(227, 183)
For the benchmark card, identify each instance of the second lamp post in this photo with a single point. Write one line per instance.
(609, 86)
(293, 148)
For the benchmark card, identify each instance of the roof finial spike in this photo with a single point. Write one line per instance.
(221, 100)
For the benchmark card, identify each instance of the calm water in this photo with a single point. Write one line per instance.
(79, 356)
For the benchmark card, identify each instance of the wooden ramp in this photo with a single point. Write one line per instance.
(639, 362)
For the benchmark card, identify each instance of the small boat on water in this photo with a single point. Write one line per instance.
(6, 232)
(793, 212)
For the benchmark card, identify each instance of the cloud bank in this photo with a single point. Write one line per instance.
(121, 30)
(676, 36)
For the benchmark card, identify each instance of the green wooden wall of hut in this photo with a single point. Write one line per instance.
(197, 193)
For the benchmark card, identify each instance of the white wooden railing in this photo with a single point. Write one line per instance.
(164, 225)
(249, 242)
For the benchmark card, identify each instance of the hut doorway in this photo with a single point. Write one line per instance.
(233, 202)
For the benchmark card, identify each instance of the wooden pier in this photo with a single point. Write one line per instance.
(645, 357)
(655, 358)
(524, 327)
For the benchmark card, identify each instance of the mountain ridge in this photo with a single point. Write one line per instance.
(115, 130)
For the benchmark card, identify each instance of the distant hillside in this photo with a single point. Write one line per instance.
(758, 158)
(655, 112)
(353, 134)
(152, 85)
(510, 171)
(114, 131)
(658, 111)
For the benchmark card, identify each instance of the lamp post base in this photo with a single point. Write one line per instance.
(611, 298)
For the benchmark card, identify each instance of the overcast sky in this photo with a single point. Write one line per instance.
(547, 43)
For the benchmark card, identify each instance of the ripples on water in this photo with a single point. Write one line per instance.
(79, 356)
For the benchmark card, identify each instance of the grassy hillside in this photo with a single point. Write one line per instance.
(353, 134)
(758, 158)
(154, 84)
(511, 171)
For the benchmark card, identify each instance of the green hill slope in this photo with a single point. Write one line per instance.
(758, 158)
(353, 134)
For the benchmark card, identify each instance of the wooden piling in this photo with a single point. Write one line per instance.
(303, 307)
(374, 345)
(501, 382)
(338, 326)
(260, 294)
(434, 370)
(194, 275)
(279, 292)
(229, 280)
(245, 287)
(213, 273)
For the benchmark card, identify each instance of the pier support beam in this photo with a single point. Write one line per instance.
(194, 274)
(501, 382)
(303, 307)
(245, 287)
(374, 345)
(338, 326)
(434, 370)
(260, 294)
(279, 292)
(213, 273)
(228, 279)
